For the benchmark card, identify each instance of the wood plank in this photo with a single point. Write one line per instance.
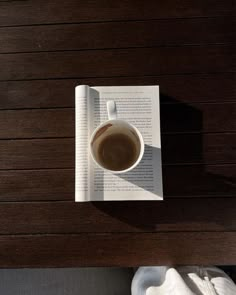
(176, 149)
(117, 35)
(33, 185)
(30, 154)
(203, 248)
(58, 184)
(175, 118)
(207, 180)
(69, 217)
(198, 118)
(37, 123)
(118, 62)
(71, 11)
(198, 148)
(60, 93)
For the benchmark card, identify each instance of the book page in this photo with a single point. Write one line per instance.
(81, 143)
(138, 105)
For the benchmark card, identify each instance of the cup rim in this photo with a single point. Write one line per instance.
(141, 146)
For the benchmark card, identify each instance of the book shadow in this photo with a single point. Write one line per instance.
(193, 184)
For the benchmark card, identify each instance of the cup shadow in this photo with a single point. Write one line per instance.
(176, 118)
(136, 176)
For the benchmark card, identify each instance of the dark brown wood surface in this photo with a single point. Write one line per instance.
(49, 47)
(59, 93)
(116, 34)
(180, 214)
(58, 184)
(176, 118)
(116, 62)
(117, 249)
(48, 12)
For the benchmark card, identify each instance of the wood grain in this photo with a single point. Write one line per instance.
(187, 47)
(33, 185)
(71, 11)
(198, 118)
(178, 181)
(118, 250)
(175, 118)
(198, 148)
(30, 154)
(150, 61)
(178, 88)
(117, 35)
(200, 180)
(37, 123)
(59, 153)
(67, 217)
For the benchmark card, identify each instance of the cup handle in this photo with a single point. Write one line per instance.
(111, 110)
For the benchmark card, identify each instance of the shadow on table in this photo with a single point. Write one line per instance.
(176, 117)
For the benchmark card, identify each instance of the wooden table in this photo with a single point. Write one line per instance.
(49, 47)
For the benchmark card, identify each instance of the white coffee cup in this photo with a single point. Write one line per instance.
(108, 131)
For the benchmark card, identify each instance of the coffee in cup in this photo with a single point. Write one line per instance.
(116, 145)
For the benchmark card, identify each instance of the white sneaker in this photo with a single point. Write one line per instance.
(190, 280)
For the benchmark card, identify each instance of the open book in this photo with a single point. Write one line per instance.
(139, 105)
